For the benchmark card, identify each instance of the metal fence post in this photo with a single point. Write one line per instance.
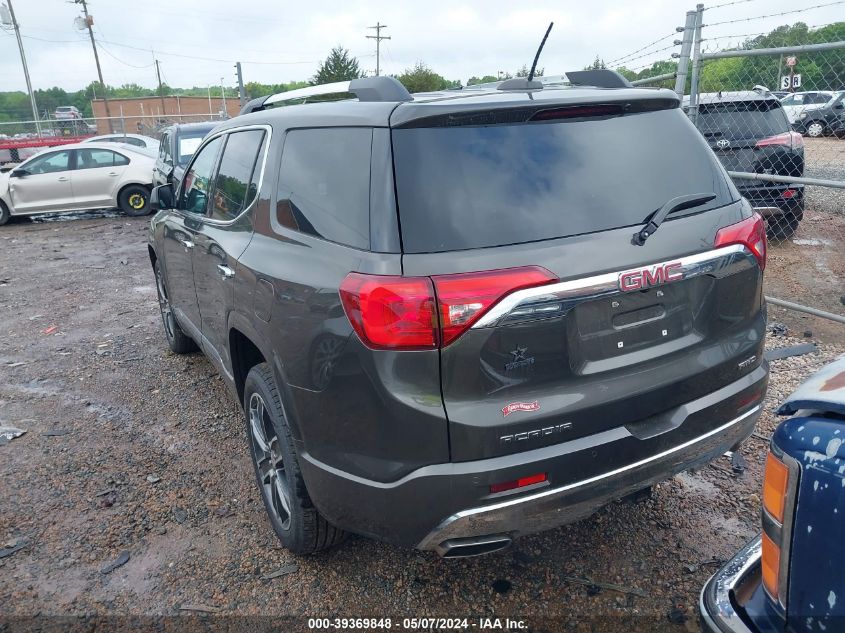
(696, 65)
(683, 60)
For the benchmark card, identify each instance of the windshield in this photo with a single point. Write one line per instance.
(188, 144)
(477, 186)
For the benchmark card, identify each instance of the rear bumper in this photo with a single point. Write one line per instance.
(451, 502)
(769, 202)
(719, 614)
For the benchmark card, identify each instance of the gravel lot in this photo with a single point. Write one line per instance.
(130, 449)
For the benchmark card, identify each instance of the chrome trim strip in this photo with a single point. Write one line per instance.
(718, 612)
(584, 482)
(608, 283)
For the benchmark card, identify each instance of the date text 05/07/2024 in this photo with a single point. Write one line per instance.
(418, 624)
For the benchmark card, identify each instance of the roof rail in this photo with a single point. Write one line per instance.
(600, 78)
(366, 89)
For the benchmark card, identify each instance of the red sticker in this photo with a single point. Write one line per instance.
(520, 406)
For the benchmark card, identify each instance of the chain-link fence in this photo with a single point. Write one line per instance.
(21, 139)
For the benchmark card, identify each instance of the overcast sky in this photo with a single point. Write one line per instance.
(283, 41)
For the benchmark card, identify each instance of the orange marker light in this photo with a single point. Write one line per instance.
(774, 487)
(771, 566)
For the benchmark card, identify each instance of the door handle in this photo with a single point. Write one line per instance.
(227, 272)
(187, 243)
(113, 173)
(63, 178)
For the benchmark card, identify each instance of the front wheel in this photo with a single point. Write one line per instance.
(815, 129)
(134, 200)
(4, 214)
(296, 521)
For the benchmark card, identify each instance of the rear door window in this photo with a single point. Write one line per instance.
(324, 184)
(742, 120)
(94, 158)
(235, 185)
(478, 186)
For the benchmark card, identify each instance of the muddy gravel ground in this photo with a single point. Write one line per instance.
(131, 451)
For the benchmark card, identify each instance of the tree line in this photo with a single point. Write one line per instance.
(823, 70)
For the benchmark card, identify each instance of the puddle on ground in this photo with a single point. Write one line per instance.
(75, 215)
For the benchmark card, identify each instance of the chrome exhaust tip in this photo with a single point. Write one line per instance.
(473, 546)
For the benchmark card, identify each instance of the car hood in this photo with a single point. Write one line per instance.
(823, 391)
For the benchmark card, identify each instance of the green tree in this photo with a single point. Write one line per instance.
(523, 72)
(421, 78)
(338, 66)
(486, 79)
(598, 64)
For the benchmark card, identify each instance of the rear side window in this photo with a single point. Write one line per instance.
(742, 120)
(235, 185)
(479, 186)
(94, 158)
(324, 184)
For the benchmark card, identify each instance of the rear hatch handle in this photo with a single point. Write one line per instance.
(675, 204)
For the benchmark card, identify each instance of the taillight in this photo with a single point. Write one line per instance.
(462, 298)
(392, 312)
(522, 482)
(792, 140)
(779, 484)
(750, 232)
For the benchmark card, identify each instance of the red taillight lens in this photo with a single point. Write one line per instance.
(788, 193)
(391, 312)
(518, 483)
(787, 139)
(464, 297)
(750, 232)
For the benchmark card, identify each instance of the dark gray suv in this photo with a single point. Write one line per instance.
(456, 318)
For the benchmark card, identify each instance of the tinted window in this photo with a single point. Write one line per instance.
(49, 163)
(324, 184)
(94, 158)
(235, 185)
(471, 187)
(197, 181)
(742, 120)
(164, 147)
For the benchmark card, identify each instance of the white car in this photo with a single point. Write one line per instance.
(138, 140)
(799, 102)
(77, 177)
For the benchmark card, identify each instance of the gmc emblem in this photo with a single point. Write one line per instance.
(652, 276)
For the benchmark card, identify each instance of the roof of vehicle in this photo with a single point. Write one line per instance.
(193, 127)
(351, 112)
(733, 96)
(121, 147)
(95, 139)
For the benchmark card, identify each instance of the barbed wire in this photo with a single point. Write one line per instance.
(659, 50)
(657, 41)
(727, 4)
(775, 15)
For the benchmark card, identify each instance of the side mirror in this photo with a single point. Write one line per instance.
(6, 168)
(18, 173)
(162, 198)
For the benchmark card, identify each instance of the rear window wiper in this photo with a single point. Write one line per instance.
(675, 204)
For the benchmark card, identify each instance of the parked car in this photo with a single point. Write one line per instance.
(791, 577)
(749, 132)
(67, 113)
(461, 318)
(178, 144)
(75, 177)
(797, 103)
(137, 140)
(826, 119)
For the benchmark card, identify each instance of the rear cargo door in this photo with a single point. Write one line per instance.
(614, 333)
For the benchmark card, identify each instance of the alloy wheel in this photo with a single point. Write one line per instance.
(268, 460)
(164, 305)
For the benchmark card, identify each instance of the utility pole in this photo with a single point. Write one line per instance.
(89, 21)
(25, 69)
(160, 89)
(241, 91)
(686, 48)
(225, 113)
(378, 37)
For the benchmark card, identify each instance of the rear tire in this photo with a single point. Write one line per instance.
(815, 129)
(782, 227)
(297, 523)
(134, 200)
(177, 340)
(4, 214)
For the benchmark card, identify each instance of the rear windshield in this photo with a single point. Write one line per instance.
(479, 186)
(188, 144)
(742, 120)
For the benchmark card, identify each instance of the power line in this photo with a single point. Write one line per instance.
(639, 50)
(659, 50)
(776, 15)
(378, 37)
